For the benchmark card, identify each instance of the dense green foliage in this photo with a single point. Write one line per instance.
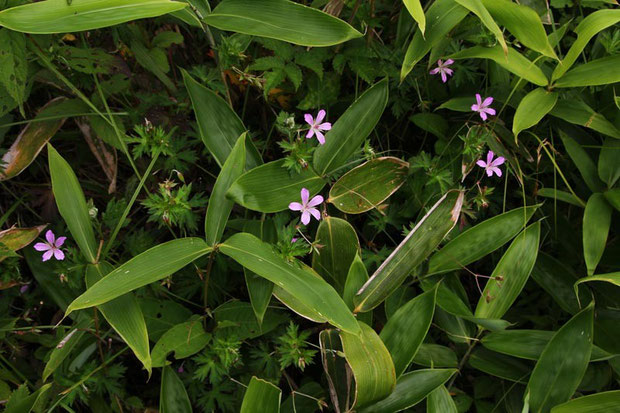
(302, 206)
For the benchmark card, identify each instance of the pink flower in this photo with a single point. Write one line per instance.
(51, 247)
(316, 127)
(442, 68)
(482, 107)
(491, 165)
(306, 207)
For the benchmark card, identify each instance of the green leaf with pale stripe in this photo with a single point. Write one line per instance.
(442, 16)
(124, 315)
(612, 278)
(510, 274)
(66, 345)
(480, 240)
(371, 364)
(532, 108)
(597, 72)
(261, 395)
(523, 22)
(586, 30)
(72, 204)
(61, 16)
(272, 187)
(220, 206)
(411, 252)
(562, 363)
(152, 265)
(513, 61)
(311, 290)
(366, 186)
(282, 20)
(596, 224)
(417, 12)
(579, 113)
(259, 288)
(440, 401)
(173, 397)
(411, 389)
(405, 330)
(351, 129)
(218, 125)
(605, 402)
(339, 246)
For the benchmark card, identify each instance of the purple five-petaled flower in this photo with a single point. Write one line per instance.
(51, 247)
(482, 106)
(442, 68)
(316, 127)
(306, 207)
(491, 166)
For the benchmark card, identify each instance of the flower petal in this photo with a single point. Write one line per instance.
(310, 133)
(60, 241)
(305, 217)
(497, 171)
(305, 194)
(490, 157)
(59, 255)
(315, 213)
(309, 119)
(320, 137)
(499, 161)
(41, 246)
(448, 62)
(320, 116)
(439, 63)
(487, 101)
(295, 206)
(478, 99)
(444, 78)
(481, 163)
(483, 115)
(317, 200)
(475, 107)
(489, 172)
(49, 236)
(490, 111)
(325, 126)
(48, 255)
(434, 71)
(448, 71)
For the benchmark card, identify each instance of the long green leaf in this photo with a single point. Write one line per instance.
(61, 16)
(613, 197)
(414, 249)
(311, 291)
(532, 108)
(500, 365)
(173, 397)
(513, 61)
(435, 355)
(579, 113)
(65, 346)
(184, 340)
(442, 16)
(220, 206)
(510, 274)
(523, 22)
(478, 8)
(338, 247)
(529, 344)
(271, 187)
(150, 266)
(480, 240)
(261, 395)
(557, 279)
(612, 278)
(595, 73)
(218, 125)
(72, 204)
(356, 278)
(405, 330)
(562, 363)
(259, 288)
(440, 401)
(368, 185)
(605, 402)
(371, 365)
(124, 315)
(596, 223)
(351, 129)
(608, 165)
(282, 20)
(411, 389)
(417, 12)
(586, 30)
